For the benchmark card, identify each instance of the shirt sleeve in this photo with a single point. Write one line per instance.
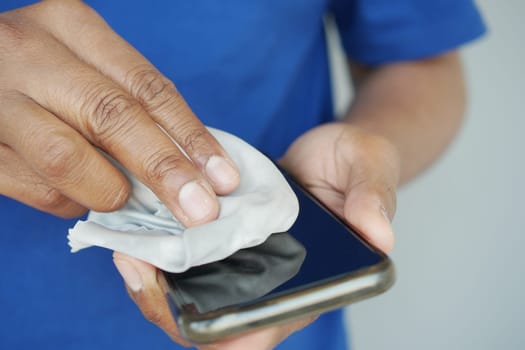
(382, 31)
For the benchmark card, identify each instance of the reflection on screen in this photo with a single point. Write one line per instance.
(245, 275)
(317, 247)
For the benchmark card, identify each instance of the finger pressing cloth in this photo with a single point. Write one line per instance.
(144, 228)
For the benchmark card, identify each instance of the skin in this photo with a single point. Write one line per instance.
(397, 125)
(95, 91)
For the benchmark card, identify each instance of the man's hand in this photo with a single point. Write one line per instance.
(354, 173)
(69, 85)
(354, 166)
(145, 287)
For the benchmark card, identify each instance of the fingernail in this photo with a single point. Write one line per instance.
(196, 201)
(130, 275)
(221, 172)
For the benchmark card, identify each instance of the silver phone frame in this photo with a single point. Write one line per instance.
(307, 300)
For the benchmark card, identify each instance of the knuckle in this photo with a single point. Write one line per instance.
(12, 34)
(193, 139)
(152, 89)
(110, 111)
(10, 30)
(51, 200)
(159, 164)
(58, 158)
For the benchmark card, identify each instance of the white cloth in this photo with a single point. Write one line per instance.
(144, 228)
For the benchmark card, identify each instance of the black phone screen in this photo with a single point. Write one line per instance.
(318, 247)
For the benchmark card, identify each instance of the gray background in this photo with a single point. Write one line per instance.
(460, 226)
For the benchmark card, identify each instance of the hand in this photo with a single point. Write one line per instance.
(145, 287)
(352, 172)
(69, 85)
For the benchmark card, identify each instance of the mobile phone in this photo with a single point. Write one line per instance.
(319, 265)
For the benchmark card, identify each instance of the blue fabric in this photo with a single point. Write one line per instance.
(380, 31)
(257, 69)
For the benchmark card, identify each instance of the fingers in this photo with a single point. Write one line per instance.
(20, 182)
(110, 118)
(60, 157)
(142, 281)
(367, 212)
(370, 191)
(120, 109)
(101, 47)
(353, 173)
(267, 338)
(145, 289)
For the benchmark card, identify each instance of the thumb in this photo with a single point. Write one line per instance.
(144, 287)
(369, 211)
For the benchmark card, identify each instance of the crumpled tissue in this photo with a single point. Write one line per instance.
(144, 228)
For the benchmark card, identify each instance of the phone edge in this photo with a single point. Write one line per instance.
(311, 300)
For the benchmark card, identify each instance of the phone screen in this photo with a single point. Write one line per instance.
(318, 247)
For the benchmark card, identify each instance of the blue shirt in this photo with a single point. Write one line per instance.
(257, 69)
